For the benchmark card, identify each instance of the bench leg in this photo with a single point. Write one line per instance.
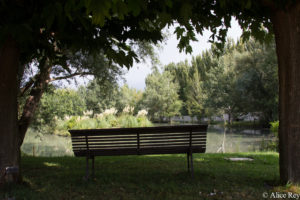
(87, 174)
(188, 161)
(192, 166)
(93, 166)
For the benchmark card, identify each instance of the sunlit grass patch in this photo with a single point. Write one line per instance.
(49, 164)
(288, 188)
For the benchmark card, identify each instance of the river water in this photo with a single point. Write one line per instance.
(219, 139)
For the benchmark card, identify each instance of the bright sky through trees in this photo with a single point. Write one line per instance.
(170, 53)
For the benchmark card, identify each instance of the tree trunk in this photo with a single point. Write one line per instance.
(9, 148)
(33, 100)
(286, 23)
(229, 118)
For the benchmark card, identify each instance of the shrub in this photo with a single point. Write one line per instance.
(86, 123)
(143, 121)
(273, 144)
(127, 121)
(274, 127)
(111, 120)
(269, 145)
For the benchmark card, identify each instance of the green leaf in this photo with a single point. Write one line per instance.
(69, 6)
(134, 6)
(169, 3)
(185, 11)
(248, 4)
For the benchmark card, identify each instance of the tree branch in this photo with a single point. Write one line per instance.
(70, 76)
(27, 86)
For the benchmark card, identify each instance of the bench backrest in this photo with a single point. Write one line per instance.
(144, 140)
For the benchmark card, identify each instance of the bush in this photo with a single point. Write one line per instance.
(143, 121)
(87, 123)
(274, 127)
(273, 144)
(127, 121)
(269, 145)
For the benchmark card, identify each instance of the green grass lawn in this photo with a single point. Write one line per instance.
(149, 177)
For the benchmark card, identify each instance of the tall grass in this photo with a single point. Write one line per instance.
(107, 119)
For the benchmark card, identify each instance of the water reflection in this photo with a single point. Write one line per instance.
(219, 140)
(46, 145)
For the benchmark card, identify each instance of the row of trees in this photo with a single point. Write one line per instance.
(242, 80)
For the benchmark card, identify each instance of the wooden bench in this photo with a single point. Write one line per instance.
(187, 139)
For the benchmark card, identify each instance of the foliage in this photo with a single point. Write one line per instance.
(258, 75)
(274, 127)
(195, 94)
(272, 145)
(99, 95)
(160, 97)
(242, 80)
(57, 104)
(52, 28)
(130, 97)
(180, 73)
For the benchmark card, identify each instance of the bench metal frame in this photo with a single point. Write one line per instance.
(187, 139)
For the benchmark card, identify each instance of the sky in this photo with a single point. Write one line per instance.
(135, 77)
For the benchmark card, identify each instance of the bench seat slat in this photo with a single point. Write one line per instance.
(169, 134)
(166, 141)
(145, 151)
(104, 137)
(107, 140)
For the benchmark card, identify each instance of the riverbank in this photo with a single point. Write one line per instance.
(150, 177)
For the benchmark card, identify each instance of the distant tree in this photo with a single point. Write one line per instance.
(223, 90)
(257, 75)
(160, 97)
(244, 81)
(130, 97)
(195, 95)
(180, 72)
(100, 95)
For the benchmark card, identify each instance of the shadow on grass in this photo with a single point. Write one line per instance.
(148, 177)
